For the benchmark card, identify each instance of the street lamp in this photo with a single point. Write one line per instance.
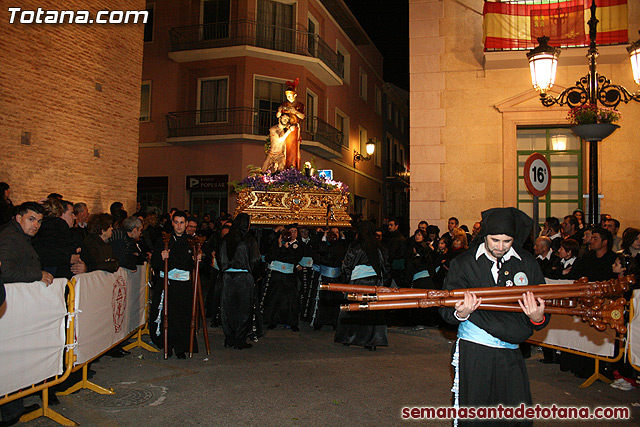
(592, 88)
(370, 147)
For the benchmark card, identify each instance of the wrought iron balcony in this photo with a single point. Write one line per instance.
(252, 33)
(317, 135)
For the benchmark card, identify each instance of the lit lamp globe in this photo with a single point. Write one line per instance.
(543, 62)
(634, 56)
(370, 147)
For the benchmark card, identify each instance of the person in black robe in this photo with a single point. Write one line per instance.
(420, 271)
(281, 300)
(305, 273)
(180, 256)
(327, 262)
(238, 257)
(489, 367)
(366, 263)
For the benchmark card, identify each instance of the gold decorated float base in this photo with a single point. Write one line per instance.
(308, 208)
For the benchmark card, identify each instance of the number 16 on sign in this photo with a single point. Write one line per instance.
(537, 178)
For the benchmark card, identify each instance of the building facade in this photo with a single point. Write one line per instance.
(70, 103)
(214, 74)
(395, 159)
(475, 118)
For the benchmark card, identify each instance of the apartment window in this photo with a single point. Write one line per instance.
(311, 115)
(378, 101)
(563, 151)
(276, 26)
(148, 26)
(363, 141)
(345, 59)
(363, 84)
(377, 155)
(313, 29)
(402, 124)
(212, 100)
(389, 111)
(215, 19)
(268, 97)
(342, 124)
(145, 101)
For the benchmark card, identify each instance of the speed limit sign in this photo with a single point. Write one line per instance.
(537, 174)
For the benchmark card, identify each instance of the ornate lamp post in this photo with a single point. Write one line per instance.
(592, 88)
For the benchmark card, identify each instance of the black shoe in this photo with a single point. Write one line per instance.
(295, 329)
(181, 355)
(124, 352)
(227, 342)
(240, 346)
(370, 347)
(271, 326)
(545, 361)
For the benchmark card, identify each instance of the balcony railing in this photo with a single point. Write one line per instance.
(235, 121)
(252, 33)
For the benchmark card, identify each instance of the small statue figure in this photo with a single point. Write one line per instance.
(295, 111)
(275, 161)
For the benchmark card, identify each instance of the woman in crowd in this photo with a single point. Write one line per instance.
(631, 243)
(580, 216)
(440, 258)
(420, 271)
(366, 263)
(99, 254)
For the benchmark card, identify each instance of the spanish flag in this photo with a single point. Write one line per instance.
(513, 24)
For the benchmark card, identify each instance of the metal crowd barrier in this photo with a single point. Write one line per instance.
(78, 345)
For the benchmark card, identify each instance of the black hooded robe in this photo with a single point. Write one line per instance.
(489, 376)
(238, 287)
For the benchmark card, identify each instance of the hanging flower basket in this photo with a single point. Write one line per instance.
(594, 131)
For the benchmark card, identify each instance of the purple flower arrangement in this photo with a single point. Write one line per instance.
(288, 180)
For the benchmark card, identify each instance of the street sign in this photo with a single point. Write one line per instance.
(537, 175)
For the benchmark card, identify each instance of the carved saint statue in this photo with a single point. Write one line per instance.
(295, 111)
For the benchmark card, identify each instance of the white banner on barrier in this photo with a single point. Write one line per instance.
(572, 333)
(111, 306)
(32, 334)
(634, 330)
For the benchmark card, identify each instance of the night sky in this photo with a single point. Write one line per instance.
(387, 24)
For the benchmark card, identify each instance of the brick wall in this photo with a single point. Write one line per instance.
(75, 88)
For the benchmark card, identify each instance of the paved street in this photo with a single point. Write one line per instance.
(302, 379)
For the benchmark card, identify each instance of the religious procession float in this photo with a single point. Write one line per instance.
(280, 193)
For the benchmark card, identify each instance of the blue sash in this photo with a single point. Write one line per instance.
(306, 261)
(420, 275)
(331, 272)
(361, 271)
(177, 275)
(316, 268)
(470, 332)
(282, 267)
(236, 270)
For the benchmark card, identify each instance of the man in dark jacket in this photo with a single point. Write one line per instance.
(20, 262)
(489, 367)
(124, 242)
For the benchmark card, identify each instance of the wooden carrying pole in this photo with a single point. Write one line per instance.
(598, 303)
(165, 303)
(197, 306)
